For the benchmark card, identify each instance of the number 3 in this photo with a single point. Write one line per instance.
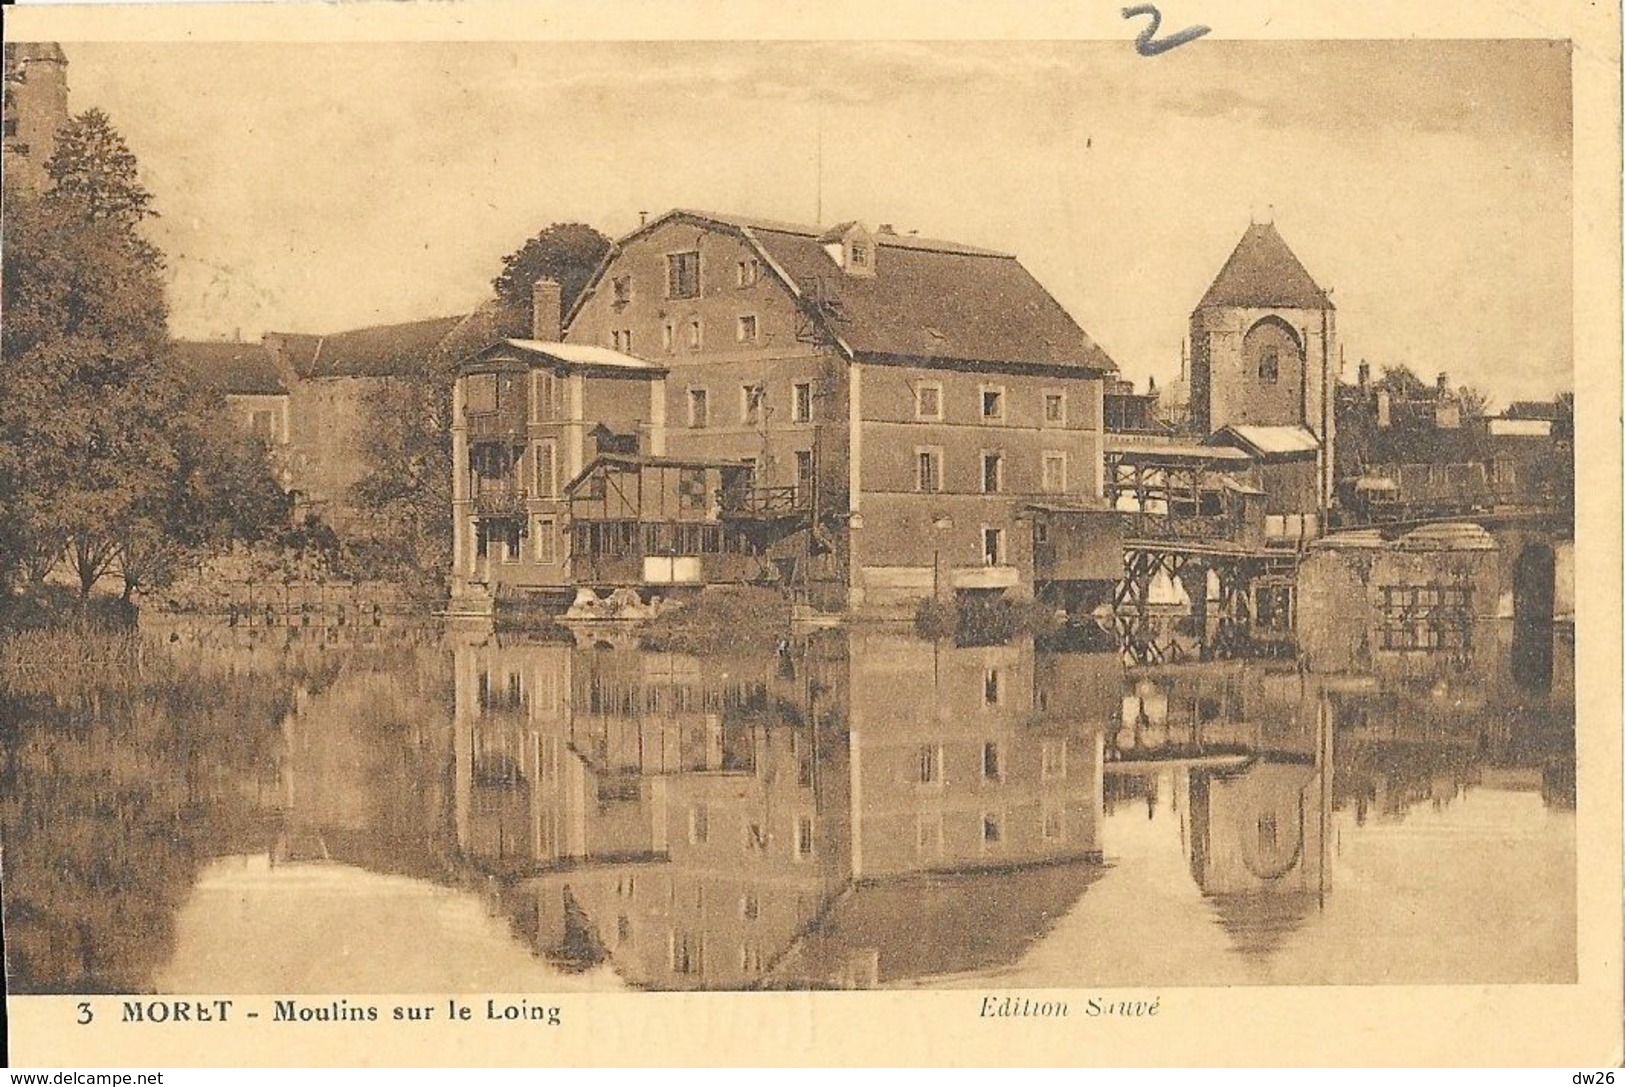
(85, 1014)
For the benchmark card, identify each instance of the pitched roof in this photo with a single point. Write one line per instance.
(1267, 441)
(584, 356)
(821, 234)
(1263, 273)
(235, 369)
(929, 300)
(1158, 453)
(379, 351)
(492, 320)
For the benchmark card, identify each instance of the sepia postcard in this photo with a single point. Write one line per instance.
(543, 534)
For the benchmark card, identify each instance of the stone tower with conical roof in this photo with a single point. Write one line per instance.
(36, 75)
(1264, 346)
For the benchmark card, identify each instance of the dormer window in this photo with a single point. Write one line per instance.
(851, 246)
(623, 289)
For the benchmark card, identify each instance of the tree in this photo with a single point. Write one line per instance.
(93, 168)
(1475, 404)
(107, 453)
(86, 390)
(1401, 382)
(222, 489)
(567, 252)
(408, 486)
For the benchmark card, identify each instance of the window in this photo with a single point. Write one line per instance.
(687, 953)
(543, 396)
(990, 761)
(992, 472)
(993, 547)
(506, 533)
(699, 409)
(860, 255)
(750, 906)
(1427, 617)
(992, 828)
(1269, 364)
(1053, 759)
(804, 836)
(691, 489)
(804, 472)
(928, 470)
(928, 765)
(992, 403)
(696, 334)
(1054, 409)
(929, 834)
(928, 400)
(750, 404)
(755, 838)
(623, 289)
(749, 272)
(668, 337)
(623, 929)
(545, 456)
(750, 959)
(683, 275)
(621, 340)
(801, 402)
(1268, 837)
(480, 393)
(1054, 481)
(745, 330)
(547, 545)
(1053, 827)
(699, 824)
(991, 687)
(263, 425)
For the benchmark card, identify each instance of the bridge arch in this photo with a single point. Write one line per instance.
(1534, 583)
(1534, 592)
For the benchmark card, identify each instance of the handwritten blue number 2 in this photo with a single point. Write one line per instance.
(1148, 43)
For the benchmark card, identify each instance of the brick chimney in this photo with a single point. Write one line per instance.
(1365, 374)
(1444, 382)
(546, 310)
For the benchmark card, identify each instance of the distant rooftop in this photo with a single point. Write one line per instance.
(232, 368)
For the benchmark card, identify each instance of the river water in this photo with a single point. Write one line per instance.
(427, 811)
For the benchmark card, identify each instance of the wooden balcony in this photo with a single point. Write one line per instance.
(766, 502)
(498, 498)
(506, 425)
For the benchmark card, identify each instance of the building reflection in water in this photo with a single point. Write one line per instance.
(862, 809)
(784, 821)
(871, 809)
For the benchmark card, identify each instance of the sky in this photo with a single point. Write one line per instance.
(316, 188)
